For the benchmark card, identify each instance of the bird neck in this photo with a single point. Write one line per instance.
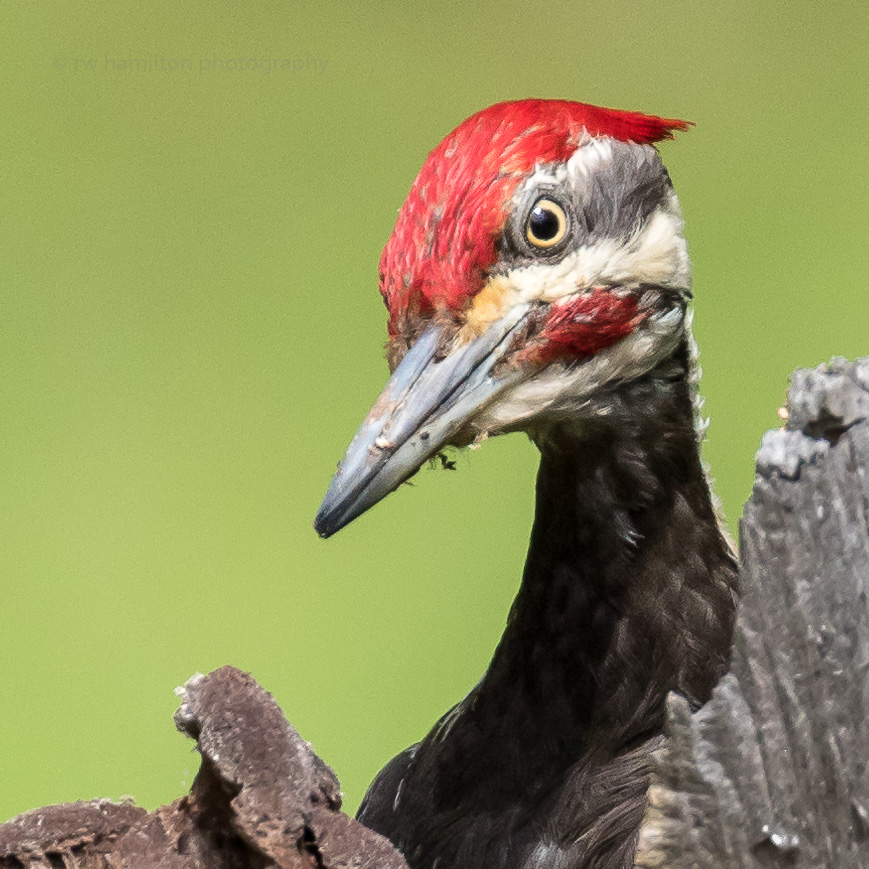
(628, 590)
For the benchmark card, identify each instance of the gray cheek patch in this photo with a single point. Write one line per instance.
(608, 200)
(619, 194)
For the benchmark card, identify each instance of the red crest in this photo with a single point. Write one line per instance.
(447, 230)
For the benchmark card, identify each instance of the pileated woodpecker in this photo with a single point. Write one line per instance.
(538, 280)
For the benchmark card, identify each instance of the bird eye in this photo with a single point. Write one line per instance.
(547, 224)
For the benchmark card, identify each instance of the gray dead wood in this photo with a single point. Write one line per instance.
(262, 798)
(772, 772)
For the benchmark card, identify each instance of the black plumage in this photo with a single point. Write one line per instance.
(628, 592)
(579, 336)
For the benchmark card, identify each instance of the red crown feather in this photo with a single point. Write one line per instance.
(446, 234)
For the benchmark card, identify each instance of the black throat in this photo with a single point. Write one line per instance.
(628, 592)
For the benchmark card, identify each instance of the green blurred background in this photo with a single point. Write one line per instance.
(191, 331)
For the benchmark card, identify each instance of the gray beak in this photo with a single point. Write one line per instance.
(424, 405)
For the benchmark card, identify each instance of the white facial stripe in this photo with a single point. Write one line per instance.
(557, 389)
(583, 162)
(634, 239)
(657, 254)
(589, 156)
(543, 175)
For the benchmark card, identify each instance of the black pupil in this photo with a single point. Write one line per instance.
(543, 223)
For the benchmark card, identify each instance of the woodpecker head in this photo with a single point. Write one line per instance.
(538, 260)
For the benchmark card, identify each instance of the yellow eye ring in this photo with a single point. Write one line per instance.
(546, 225)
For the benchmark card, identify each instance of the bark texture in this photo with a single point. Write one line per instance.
(772, 772)
(262, 798)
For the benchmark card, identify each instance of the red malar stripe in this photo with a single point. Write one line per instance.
(592, 322)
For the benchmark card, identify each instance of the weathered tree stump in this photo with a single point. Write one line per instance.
(262, 798)
(772, 772)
